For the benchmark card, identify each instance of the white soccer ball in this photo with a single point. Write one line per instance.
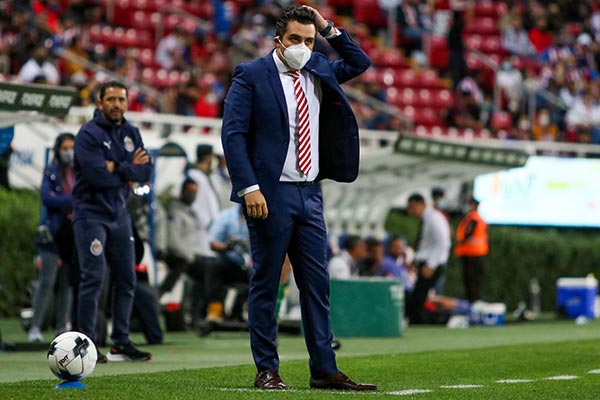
(72, 356)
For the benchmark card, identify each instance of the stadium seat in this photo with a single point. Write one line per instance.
(436, 48)
(482, 26)
(406, 97)
(442, 99)
(492, 9)
(407, 78)
(423, 98)
(473, 42)
(430, 79)
(501, 120)
(369, 12)
(424, 116)
(388, 58)
(392, 96)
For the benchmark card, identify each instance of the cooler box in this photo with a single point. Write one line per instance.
(576, 296)
(487, 314)
(366, 307)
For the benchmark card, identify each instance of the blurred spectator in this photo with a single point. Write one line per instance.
(229, 238)
(374, 259)
(410, 20)
(394, 264)
(346, 264)
(471, 84)
(471, 247)
(516, 40)
(39, 65)
(456, 46)
(207, 103)
(4, 165)
(55, 228)
(169, 49)
(584, 116)
(440, 203)
(432, 253)
(76, 49)
(510, 83)
(182, 252)
(540, 36)
(465, 113)
(586, 53)
(543, 128)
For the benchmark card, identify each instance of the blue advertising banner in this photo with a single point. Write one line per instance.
(6, 136)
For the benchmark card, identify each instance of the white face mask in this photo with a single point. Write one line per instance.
(296, 56)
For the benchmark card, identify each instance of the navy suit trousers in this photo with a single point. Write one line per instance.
(100, 244)
(295, 226)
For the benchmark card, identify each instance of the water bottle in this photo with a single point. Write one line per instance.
(534, 296)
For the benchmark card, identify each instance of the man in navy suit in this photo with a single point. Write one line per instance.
(287, 125)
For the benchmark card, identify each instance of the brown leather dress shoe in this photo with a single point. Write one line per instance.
(339, 381)
(269, 380)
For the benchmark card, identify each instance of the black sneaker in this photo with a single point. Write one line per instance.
(127, 352)
(101, 358)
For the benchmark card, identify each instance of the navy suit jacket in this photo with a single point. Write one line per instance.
(255, 132)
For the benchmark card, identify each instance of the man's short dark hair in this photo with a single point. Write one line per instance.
(111, 84)
(203, 150)
(294, 13)
(186, 183)
(417, 198)
(351, 241)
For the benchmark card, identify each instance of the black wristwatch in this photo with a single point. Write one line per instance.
(325, 31)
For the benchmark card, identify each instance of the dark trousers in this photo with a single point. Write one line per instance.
(295, 226)
(145, 306)
(100, 244)
(472, 271)
(416, 309)
(222, 273)
(196, 295)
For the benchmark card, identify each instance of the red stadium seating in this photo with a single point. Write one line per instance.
(369, 12)
(436, 48)
(492, 9)
(482, 26)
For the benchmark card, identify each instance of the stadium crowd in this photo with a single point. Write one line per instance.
(548, 48)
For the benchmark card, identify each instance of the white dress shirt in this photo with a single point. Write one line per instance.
(206, 206)
(312, 90)
(434, 243)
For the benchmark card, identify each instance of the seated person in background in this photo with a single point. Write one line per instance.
(229, 238)
(346, 264)
(374, 260)
(394, 264)
(465, 113)
(543, 128)
(516, 40)
(182, 226)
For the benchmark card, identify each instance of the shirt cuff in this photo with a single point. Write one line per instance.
(335, 32)
(247, 190)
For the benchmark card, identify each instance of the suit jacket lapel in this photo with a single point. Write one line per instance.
(273, 78)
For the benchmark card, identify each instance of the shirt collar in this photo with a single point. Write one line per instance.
(281, 68)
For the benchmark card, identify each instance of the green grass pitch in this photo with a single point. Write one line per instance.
(539, 360)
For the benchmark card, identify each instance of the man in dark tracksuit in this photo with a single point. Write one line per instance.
(109, 153)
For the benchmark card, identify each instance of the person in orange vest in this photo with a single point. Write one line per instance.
(471, 247)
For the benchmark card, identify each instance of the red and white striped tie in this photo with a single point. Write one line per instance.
(304, 155)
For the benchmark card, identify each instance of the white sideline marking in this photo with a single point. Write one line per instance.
(409, 392)
(515, 380)
(594, 371)
(561, 378)
(461, 386)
